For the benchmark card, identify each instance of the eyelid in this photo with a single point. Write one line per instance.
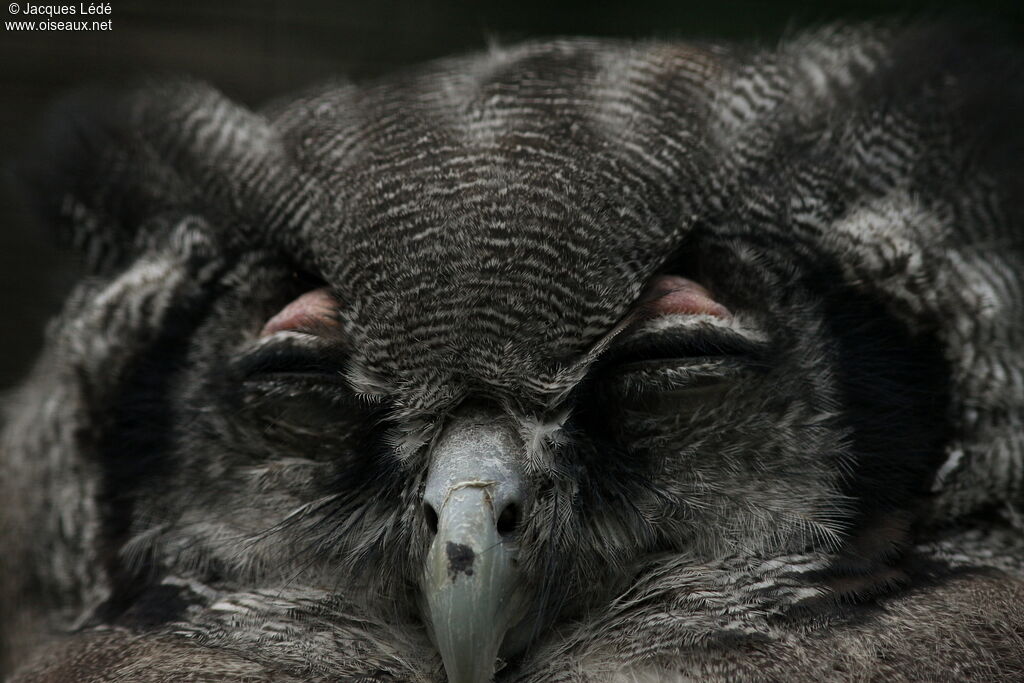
(689, 341)
(291, 352)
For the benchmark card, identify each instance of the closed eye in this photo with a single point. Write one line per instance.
(298, 384)
(685, 345)
(291, 357)
(676, 368)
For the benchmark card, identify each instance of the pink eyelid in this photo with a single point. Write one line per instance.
(312, 309)
(672, 294)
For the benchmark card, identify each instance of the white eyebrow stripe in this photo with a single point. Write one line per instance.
(304, 339)
(683, 321)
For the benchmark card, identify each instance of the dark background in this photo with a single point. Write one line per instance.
(257, 49)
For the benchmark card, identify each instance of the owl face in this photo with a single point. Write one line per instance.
(464, 429)
(475, 343)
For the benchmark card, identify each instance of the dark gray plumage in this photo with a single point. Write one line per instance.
(739, 332)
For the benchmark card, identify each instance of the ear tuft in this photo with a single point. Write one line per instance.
(114, 168)
(91, 181)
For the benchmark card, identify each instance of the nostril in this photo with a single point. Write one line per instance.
(430, 515)
(508, 520)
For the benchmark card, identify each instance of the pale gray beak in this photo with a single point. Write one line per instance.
(474, 497)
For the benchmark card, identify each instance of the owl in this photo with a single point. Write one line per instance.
(577, 360)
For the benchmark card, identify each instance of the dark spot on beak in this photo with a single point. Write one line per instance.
(460, 559)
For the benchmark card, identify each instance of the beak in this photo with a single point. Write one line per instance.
(471, 590)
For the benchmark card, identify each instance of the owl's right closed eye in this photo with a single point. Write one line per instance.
(577, 360)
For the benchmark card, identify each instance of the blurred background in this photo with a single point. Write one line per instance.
(255, 49)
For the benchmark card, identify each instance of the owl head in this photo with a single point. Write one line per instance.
(472, 344)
